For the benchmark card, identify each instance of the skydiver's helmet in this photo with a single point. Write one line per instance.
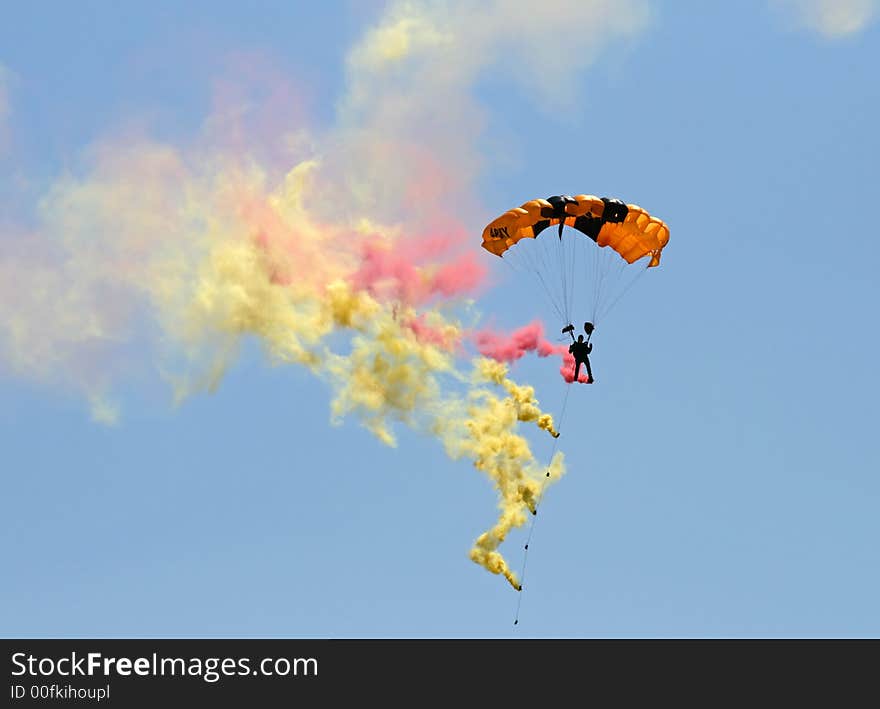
(588, 328)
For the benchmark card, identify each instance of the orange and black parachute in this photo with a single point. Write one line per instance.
(625, 228)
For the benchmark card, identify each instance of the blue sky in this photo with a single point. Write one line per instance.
(722, 479)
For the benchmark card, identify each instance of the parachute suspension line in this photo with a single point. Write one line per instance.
(522, 573)
(597, 272)
(542, 251)
(549, 295)
(543, 266)
(603, 262)
(629, 285)
(539, 269)
(611, 275)
(561, 267)
(529, 265)
(567, 280)
(607, 277)
(567, 252)
(573, 271)
(572, 275)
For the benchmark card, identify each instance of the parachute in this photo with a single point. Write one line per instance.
(617, 236)
(608, 238)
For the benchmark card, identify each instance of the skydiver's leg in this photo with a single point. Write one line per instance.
(577, 368)
(589, 371)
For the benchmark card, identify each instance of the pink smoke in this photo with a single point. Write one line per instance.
(412, 271)
(426, 333)
(529, 338)
(567, 369)
(509, 348)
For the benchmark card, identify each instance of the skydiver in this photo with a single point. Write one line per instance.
(581, 351)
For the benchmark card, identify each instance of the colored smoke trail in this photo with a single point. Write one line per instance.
(212, 259)
(172, 257)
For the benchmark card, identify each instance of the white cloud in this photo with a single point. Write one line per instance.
(832, 18)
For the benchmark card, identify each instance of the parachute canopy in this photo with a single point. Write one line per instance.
(625, 228)
(579, 279)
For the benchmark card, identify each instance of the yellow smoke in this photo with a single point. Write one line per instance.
(217, 257)
(389, 376)
(173, 257)
(490, 438)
